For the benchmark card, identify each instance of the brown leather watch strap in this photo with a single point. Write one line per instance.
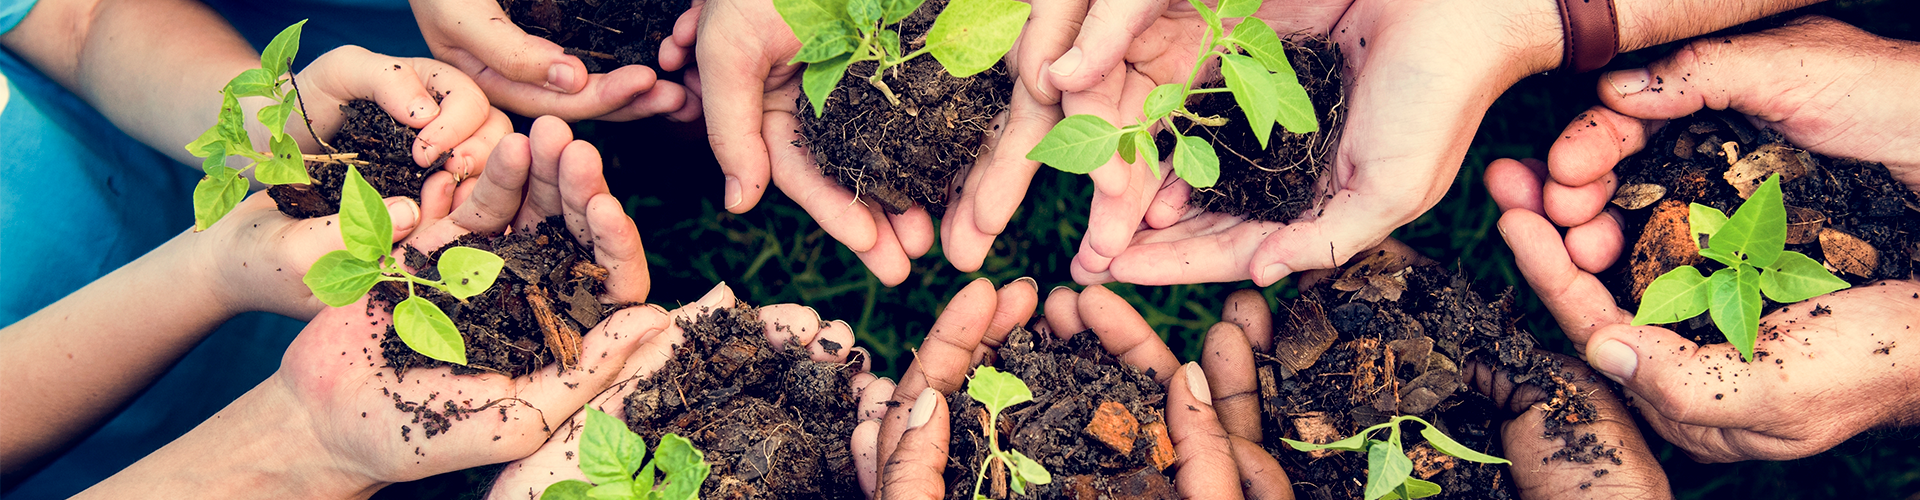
(1591, 35)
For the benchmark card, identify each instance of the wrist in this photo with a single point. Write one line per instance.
(1646, 23)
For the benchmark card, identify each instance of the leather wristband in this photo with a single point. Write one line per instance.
(1590, 35)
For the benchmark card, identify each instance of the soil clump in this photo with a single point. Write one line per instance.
(1282, 181)
(604, 34)
(382, 142)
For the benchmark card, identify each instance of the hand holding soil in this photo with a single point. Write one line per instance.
(278, 250)
(453, 116)
(1637, 475)
(532, 76)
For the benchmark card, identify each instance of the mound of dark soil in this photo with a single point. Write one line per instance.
(772, 422)
(1095, 423)
(1387, 339)
(382, 142)
(535, 314)
(911, 154)
(1280, 182)
(604, 34)
(1848, 214)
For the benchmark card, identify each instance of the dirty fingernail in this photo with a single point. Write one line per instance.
(561, 77)
(403, 213)
(1273, 272)
(922, 408)
(1067, 63)
(733, 192)
(423, 108)
(1197, 383)
(1029, 281)
(1629, 82)
(1614, 359)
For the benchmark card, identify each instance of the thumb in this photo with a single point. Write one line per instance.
(405, 215)
(915, 469)
(1206, 466)
(1730, 72)
(1680, 380)
(1103, 42)
(484, 31)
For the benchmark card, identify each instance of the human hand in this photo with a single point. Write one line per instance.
(532, 76)
(260, 256)
(1826, 86)
(460, 121)
(1527, 438)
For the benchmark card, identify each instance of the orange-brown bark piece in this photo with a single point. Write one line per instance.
(1114, 426)
(1314, 427)
(561, 336)
(1666, 244)
(1428, 462)
(1163, 454)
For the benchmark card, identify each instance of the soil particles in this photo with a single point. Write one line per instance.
(1387, 338)
(772, 422)
(382, 142)
(534, 315)
(604, 34)
(1095, 423)
(910, 154)
(1850, 215)
(1280, 182)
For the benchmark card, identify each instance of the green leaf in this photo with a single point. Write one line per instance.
(808, 17)
(1163, 100)
(1128, 147)
(211, 143)
(609, 452)
(890, 40)
(643, 483)
(429, 331)
(1736, 306)
(1675, 296)
(286, 166)
(468, 271)
(339, 278)
(1195, 161)
(233, 126)
(1078, 144)
(1413, 488)
(1447, 445)
(1795, 277)
(1019, 486)
(251, 83)
(821, 78)
(616, 490)
(997, 390)
(1254, 92)
(1702, 219)
(1234, 9)
(275, 116)
(865, 13)
(1758, 229)
(895, 10)
(971, 35)
(1260, 41)
(571, 489)
(278, 56)
(217, 194)
(1355, 442)
(1144, 142)
(1296, 107)
(1387, 467)
(685, 466)
(1207, 13)
(834, 40)
(365, 225)
(1030, 470)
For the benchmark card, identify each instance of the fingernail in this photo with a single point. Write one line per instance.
(1614, 359)
(1067, 63)
(403, 213)
(712, 298)
(1273, 272)
(1629, 82)
(1197, 383)
(922, 408)
(1059, 289)
(733, 192)
(1029, 281)
(561, 76)
(423, 108)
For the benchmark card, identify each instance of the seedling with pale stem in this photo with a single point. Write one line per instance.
(997, 391)
(614, 458)
(1389, 471)
(967, 38)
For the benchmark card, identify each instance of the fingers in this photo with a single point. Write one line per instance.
(834, 343)
(626, 93)
(581, 181)
(1210, 247)
(1526, 441)
(462, 110)
(547, 142)
(1517, 184)
(1008, 175)
(945, 358)
(865, 446)
(887, 260)
(1049, 34)
(1125, 334)
(1015, 306)
(1102, 43)
(1577, 299)
(1063, 312)
(914, 229)
(470, 156)
(494, 201)
(736, 73)
(1575, 205)
(1248, 310)
(790, 323)
(1593, 143)
(677, 50)
(1205, 467)
(1228, 362)
(914, 470)
(839, 213)
(603, 354)
(617, 247)
(1668, 373)
(484, 30)
(874, 398)
(1354, 221)
(1594, 246)
(1260, 473)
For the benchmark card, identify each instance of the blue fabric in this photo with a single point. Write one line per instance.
(12, 11)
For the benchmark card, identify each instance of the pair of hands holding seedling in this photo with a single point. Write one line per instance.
(1826, 382)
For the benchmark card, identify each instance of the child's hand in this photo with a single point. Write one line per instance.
(258, 256)
(407, 88)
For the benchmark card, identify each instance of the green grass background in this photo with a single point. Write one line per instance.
(776, 253)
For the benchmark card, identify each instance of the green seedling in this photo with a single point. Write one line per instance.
(615, 461)
(967, 38)
(223, 187)
(998, 390)
(1752, 244)
(343, 276)
(1253, 62)
(1389, 471)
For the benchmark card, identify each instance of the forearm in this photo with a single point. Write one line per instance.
(70, 366)
(254, 448)
(1641, 23)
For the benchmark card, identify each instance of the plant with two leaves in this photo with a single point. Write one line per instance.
(283, 163)
(1389, 471)
(1752, 244)
(1253, 63)
(611, 455)
(967, 38)
(343, 276)
(997, 391)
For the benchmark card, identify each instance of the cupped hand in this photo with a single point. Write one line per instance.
(1528, 444)
(425, 94)
(262, 256)
(531, 76)
(1826, 86)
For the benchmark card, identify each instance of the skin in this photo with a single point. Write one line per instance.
(326, 423)
(530, 76)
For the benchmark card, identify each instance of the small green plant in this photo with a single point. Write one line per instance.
(967, 38)
(1253, 61)
(1752, 244)
(1389, 471)
(343, 276)
(611, 456)
(223, 187)
(998, 390)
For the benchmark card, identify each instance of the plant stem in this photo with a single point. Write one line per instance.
(1211, 90)
(1201, 63)
(302, 109)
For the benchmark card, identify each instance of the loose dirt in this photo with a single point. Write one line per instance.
(381, 141)
(604, 34)
(1283, 180)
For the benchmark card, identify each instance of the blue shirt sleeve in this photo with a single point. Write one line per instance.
(12, 11)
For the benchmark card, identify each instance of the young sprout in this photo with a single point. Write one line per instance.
(967, 38)
(1752, 244)
(1389, 471)
(612, 457)
(1254, 64)
(998, 390)
(343, 276)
